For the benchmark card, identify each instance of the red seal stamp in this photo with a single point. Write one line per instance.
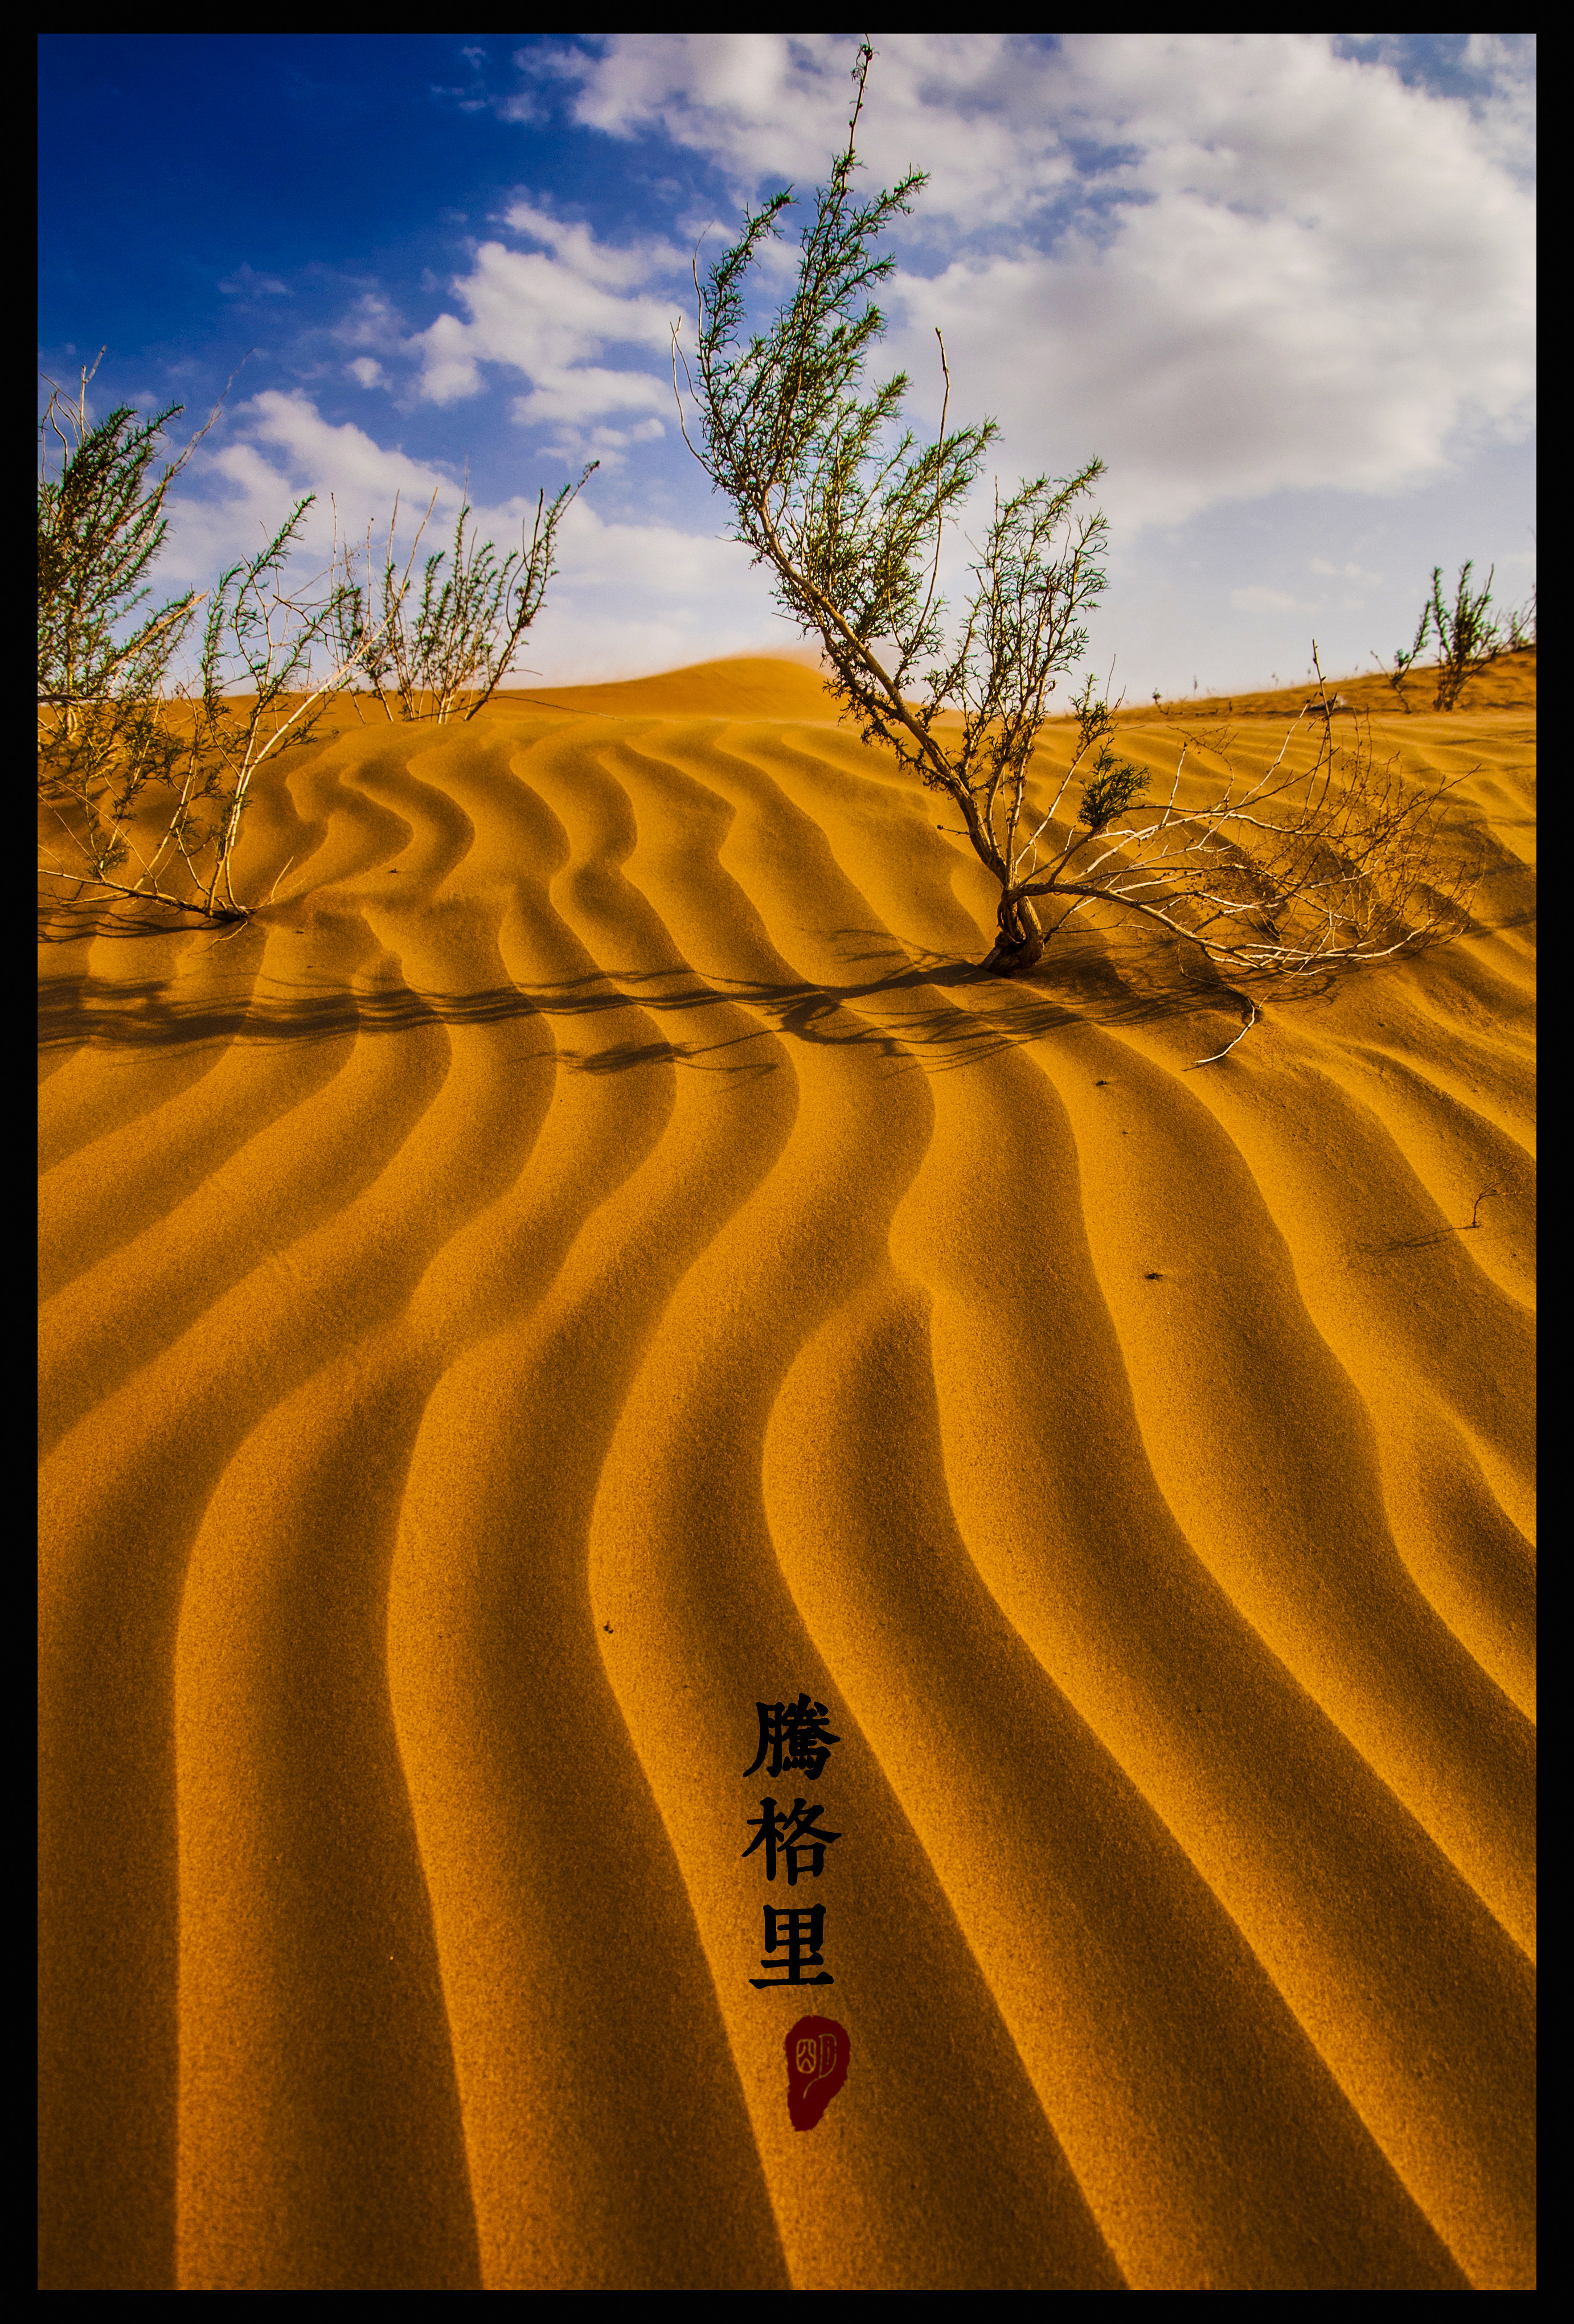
(816, 2066)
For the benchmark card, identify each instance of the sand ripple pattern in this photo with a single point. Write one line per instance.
(590, 1257)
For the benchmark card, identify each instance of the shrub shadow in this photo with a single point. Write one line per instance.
(1080, 984)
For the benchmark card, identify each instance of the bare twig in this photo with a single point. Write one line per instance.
(1252, 1012)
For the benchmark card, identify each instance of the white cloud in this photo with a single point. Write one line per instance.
(601, 443)
(368, 370)
(1258, 600)
(1493, 74)
(656, 556)
(1348, 572)
(1270, 265)
(576, 247)
(448, 366)
(586, 392)
(246, 283)
(973, 109)
(1329, 281)
(283, 449)
(1503, 101)
(549, 315)
(372, 322)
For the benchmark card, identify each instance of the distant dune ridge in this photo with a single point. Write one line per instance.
(591, 1257)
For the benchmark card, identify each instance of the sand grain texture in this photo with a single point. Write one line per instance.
(591, 1256)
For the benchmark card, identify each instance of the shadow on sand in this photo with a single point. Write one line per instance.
(1079, 983)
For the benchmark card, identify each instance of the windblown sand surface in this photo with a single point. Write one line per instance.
(592, 1257)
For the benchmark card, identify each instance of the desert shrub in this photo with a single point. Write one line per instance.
(101, 673)
(444, 653)
(144, 781)
(838, 498)
(261, 645)
(1468, 636)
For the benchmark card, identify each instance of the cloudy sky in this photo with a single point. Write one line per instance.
(1282, 284)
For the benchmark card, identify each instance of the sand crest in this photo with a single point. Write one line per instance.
(586, 1260)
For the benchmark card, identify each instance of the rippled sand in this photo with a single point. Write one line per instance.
(591, 1258)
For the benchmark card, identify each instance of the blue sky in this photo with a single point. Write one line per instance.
(1282, 284)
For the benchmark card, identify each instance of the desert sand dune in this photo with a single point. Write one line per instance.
(591, 1257)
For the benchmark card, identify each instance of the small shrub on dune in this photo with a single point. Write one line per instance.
(1468, 635)
(445, 654)
(144, 780)
(102, 743)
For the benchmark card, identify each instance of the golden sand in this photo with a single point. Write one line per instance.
(588, 1259)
